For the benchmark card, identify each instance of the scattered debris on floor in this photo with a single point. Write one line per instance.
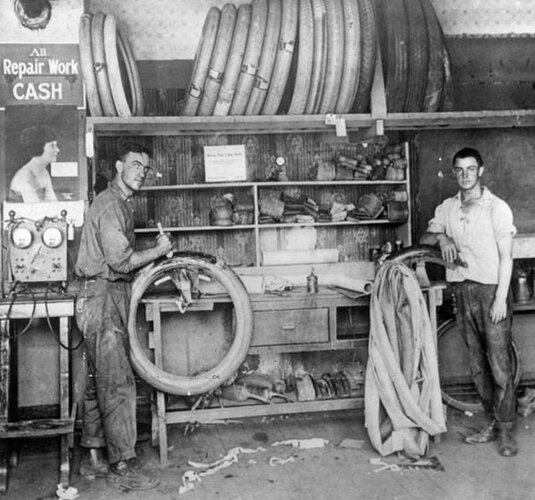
(421, 463)
(274, 461)
(69, 493)
(526, 403)
(384, 465)
(303, 443)
(191, 476)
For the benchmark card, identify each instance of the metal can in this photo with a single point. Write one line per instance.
(312, 282)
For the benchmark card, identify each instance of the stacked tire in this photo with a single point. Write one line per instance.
(109, 69)
(316, 57)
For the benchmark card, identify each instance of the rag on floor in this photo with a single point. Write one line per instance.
(402, 400)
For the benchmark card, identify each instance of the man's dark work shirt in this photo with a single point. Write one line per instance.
(107, 237)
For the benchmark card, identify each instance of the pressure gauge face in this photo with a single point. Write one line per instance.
(52, 237)
(21, 237)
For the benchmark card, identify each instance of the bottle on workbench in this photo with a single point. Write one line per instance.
(312, 282)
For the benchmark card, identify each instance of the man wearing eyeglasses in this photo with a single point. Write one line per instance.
(475, 228)
(107, 261)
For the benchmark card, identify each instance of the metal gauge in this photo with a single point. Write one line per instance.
(52, 237)
(21, 237)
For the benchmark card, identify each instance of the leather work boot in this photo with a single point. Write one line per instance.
(94, 464)
(124, 477)
(486, 435)
(506, 443)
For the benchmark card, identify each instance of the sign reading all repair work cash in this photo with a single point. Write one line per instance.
(40, 74)
(225, 163)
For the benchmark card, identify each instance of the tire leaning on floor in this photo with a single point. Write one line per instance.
(243, 318)
(87, 66)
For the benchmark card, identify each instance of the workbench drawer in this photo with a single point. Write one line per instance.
(290, 326)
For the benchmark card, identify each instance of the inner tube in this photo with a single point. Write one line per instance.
(283, 60)
(243, 325)
(351, 64)
(251, 57)
(267, 58)
(100, 68)
(368, 56)
(305, 59)
(335, 56)
(218, 60)
(417, 55)
(202, 61)
(87, 67)
(235, 58)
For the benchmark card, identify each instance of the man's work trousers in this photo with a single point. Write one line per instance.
(109, 412)
(490, 349)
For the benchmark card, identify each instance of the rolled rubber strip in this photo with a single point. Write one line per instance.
(234, 61)
(99, 60)
(418, 57)
(202, 62)
(218, 60)
(283, 60)
(368, 56)
(267, 58)
(305, 59)
(251, 57)
(87, 66)
(335, 56)
(351, 65)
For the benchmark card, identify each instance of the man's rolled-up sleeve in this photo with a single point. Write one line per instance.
(502, 220)
(437, 224)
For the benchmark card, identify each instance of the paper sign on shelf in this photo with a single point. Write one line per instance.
(225, 163)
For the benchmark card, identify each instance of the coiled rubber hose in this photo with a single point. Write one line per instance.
(243, 325)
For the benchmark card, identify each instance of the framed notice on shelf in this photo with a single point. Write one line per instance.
(225, 163)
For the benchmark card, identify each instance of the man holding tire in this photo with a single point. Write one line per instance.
(107, 262)
(475, 229)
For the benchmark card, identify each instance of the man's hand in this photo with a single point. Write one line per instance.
(498, 310)
(447, 248)
(164, 244)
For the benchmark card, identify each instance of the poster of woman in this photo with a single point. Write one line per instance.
(41, 154)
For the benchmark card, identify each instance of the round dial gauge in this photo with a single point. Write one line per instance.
(52, 237)
(21, 237)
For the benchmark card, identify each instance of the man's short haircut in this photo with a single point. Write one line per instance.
(468, 153)
(132, 147)
(33, 139)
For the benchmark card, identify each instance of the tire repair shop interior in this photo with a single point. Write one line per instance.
(297, 146)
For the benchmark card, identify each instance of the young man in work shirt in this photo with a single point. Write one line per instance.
(475, 228)
(107, 262)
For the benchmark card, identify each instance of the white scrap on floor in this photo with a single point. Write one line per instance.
(273, 461)
(384, 465)
(191, 476)
(69, 493)
(303, 443)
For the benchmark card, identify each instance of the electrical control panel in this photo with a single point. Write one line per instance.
(38, 250)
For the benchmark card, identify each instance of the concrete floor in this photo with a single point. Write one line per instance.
(332, 472)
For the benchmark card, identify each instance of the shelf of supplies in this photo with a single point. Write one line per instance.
(235, 227)
(180, 187)
(341, 223)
